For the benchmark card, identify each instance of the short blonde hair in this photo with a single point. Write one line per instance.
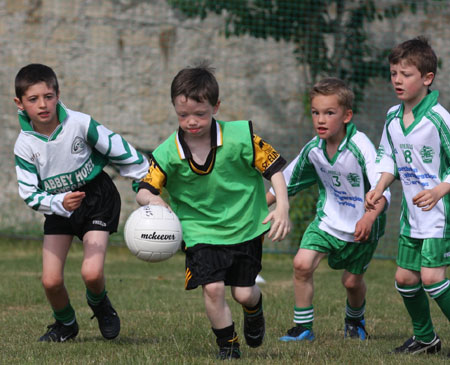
(334, 86)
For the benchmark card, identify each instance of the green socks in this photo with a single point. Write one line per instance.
(65, 315)
(355, 313)
(416, 302)
(94, 299)
(440, 292)
(304, 316)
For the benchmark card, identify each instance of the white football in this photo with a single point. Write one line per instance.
(153, 233)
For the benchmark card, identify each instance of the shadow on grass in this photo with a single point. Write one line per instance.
(122, 340)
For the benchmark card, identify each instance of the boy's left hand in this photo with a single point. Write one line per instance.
(281, 224)
(363, 228)
(427, 199)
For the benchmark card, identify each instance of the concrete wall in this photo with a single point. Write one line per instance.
(115, 60)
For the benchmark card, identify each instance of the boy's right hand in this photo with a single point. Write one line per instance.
(372, 199)
(73, 200)
(145, 197)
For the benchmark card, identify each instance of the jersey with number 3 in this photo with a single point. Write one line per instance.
(420, 157)
(343, 182)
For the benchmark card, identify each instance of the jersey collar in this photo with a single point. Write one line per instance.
(27, 125)
(420, 109)
(183, 149)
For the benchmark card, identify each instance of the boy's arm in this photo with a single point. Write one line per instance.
(364, 225)
(34, 196)
(130, 162)
(279, 217)
(151, 186)
(428, 198)
(270, 198)
(373, 197)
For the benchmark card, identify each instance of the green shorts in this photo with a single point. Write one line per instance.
(414, 253)
(351, 256)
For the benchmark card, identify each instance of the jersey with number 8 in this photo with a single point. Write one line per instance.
(420, 157)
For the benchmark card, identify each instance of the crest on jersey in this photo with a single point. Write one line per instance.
(353, 179)
(427, 154)
(78, 145)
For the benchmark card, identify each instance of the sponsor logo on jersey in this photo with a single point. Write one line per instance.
(447, 254)
(427, 154)
(70, 181)
(161, 237)
(78, 145)
(353, 179)
(99, 223)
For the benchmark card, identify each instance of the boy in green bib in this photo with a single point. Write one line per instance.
(213, 173)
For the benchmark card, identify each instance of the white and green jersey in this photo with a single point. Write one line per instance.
(48, 167)
(420, 157)
(343, 182)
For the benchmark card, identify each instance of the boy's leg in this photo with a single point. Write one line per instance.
(437, 285)
(219, 315)
(250, 298)
(54, 254)
(305, 263)
(95, 244)
(355, 306)
(416, 302)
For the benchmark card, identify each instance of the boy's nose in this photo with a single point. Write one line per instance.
(42, 103)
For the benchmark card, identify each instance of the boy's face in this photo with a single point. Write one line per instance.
(409, 85)
(39, 101)
(194, 117)
(329, 117)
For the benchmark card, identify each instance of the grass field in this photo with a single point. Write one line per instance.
(164, 324)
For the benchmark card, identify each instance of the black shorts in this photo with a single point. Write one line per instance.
(236, 265)
(99, 210)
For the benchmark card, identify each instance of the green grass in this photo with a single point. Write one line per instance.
(164, 324)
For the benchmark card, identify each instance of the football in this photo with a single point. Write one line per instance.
(153, 233)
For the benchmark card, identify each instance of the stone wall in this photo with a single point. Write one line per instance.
(115, 60)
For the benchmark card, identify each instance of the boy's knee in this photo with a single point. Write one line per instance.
(303, 269)
(352, 282)
(407, 278)
(53, 283)
(244, 295)
(91, 275)
(214, 290)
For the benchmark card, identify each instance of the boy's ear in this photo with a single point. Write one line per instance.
(19, 103)
(428, 79)
(216, 107)
(348, 116)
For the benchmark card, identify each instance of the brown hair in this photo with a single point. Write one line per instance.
(33, 74)
(197, 83)
(417, 52)
(334, 86)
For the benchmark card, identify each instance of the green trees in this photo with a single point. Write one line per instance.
(330, 36)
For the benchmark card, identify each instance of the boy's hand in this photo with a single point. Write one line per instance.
(73, 200)
(427, 199)
(280, 226)
(145, 197)
(363, 228)
(372, 199)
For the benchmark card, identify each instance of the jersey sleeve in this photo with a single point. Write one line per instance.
(30, 191)
(130, 162)
(370, 169)
(267, 160)
(155, 179)
(385, 160)
(444, 134)
(299, 174)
